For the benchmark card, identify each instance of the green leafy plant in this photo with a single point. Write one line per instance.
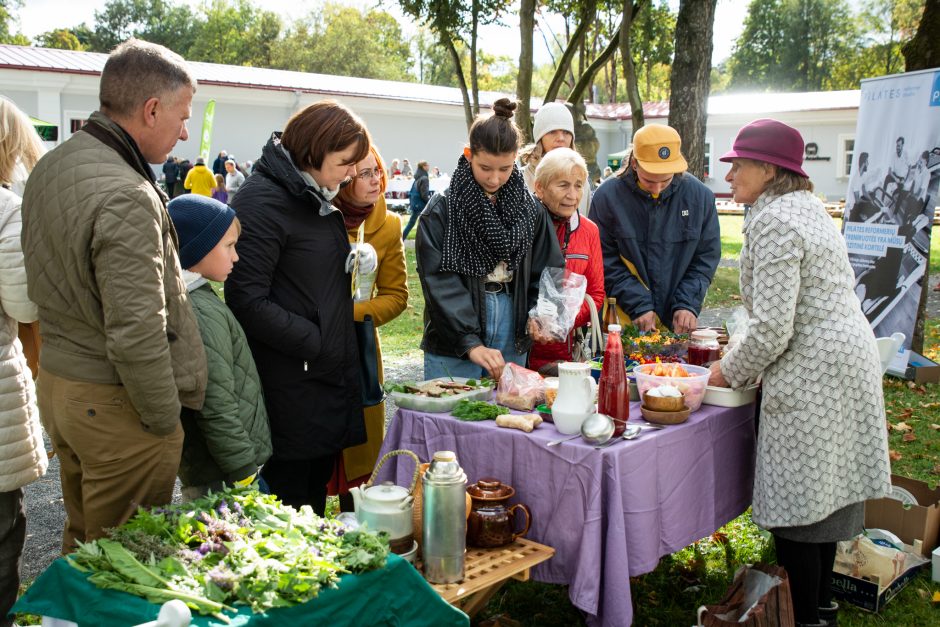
(235, 547)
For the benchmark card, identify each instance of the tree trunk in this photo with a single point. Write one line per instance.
(690, 84)
(564, 64)
(577, 92)
(474, 82)
(448, 43)
(629, 70)
(923, 51)
(524, 79)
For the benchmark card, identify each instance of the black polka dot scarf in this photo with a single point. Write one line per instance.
(479, 233)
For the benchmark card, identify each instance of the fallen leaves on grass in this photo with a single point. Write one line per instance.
(901, 427)
(894, 455)
(909, 437)
(935, 427)
(936, 469)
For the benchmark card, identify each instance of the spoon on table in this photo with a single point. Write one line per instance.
(631, 432)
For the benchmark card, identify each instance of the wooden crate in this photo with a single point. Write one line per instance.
(486, 570)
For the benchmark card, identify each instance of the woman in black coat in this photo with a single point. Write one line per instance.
(291, 293)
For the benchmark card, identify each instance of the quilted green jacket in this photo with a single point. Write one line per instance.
(229, 438)
(102, 266)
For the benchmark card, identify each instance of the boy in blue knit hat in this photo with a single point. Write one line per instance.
(229, 439)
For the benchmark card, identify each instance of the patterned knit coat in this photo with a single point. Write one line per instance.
(822, 442)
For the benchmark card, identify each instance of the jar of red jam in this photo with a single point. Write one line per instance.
(703, 347)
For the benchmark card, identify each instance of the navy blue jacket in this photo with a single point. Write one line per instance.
(420, 192)
(672, 242)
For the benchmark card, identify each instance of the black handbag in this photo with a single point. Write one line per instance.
(372, 392)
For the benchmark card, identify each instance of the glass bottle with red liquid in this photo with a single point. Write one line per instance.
(613, 393)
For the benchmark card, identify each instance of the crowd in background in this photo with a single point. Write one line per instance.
(145, 375)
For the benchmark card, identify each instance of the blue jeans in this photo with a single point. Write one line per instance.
(411, 222)
(499, 335)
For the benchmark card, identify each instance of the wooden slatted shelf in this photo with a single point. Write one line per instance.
(486, 570)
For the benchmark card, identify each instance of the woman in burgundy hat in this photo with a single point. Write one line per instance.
(822, 446)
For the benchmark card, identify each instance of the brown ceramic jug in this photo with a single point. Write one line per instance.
(491, 520)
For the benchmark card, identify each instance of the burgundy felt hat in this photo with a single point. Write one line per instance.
(771, 141)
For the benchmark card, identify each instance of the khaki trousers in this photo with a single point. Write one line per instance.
(109, 466)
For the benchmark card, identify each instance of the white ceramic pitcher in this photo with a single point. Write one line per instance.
(575, 400)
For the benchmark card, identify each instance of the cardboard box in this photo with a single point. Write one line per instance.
(919, 370)
(868, 594)
(916, 525)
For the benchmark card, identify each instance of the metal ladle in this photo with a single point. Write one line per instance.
(597, 428)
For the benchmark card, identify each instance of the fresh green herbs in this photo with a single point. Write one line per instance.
(473, 411)
(236, 547)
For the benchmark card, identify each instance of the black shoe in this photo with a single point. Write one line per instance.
(830, 614)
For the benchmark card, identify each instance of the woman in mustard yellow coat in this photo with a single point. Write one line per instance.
(362, 203)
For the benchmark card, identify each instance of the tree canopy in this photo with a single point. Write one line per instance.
(815, 45)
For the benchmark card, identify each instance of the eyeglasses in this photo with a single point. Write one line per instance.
(365, 175)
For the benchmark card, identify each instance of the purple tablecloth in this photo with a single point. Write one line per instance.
(609, 514)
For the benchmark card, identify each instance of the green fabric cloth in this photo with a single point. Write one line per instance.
(396, 595)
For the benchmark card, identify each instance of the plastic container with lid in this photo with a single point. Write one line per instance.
(703, 348)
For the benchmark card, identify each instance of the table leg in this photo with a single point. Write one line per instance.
(475, 602)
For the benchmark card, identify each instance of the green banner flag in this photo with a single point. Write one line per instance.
(205, 143)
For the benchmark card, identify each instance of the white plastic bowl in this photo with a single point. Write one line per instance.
(692, 387)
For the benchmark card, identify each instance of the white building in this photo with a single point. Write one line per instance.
(408, 120)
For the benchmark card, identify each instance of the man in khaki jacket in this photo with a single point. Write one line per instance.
(121, 350)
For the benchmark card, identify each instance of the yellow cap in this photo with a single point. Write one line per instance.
(656, 148)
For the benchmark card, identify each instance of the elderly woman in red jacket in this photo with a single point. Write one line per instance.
(559, 186)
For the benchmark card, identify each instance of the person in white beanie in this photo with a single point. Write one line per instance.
(553, 128)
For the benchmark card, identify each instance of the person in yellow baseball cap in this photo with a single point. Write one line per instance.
(659, 234)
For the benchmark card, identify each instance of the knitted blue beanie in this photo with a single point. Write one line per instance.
(200, 223)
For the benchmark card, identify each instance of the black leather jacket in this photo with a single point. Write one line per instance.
(454, 313)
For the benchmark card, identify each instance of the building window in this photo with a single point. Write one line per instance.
(846, 156)
(74, 120)
(708, 159)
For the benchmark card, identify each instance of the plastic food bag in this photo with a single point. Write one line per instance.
(736, 325)
(560, 296)
(758, 597)
(520, 388)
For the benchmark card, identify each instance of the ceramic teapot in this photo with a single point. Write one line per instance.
(575, 399)
(388, 507)
(492, 519)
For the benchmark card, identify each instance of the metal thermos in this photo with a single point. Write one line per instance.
(444, 519)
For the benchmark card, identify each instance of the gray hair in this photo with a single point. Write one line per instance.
(558, 162)
(138, 70)
(784, 181)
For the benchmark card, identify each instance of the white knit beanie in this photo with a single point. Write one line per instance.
(553, 116)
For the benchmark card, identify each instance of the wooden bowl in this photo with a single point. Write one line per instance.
(665, 417)
(664, 403)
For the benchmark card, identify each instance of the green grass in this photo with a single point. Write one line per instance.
(401, 338)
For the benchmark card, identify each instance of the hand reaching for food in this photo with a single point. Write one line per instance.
(645, 322)
(684, 321)
(490, 359)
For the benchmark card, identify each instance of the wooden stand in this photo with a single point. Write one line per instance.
(486, 570)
